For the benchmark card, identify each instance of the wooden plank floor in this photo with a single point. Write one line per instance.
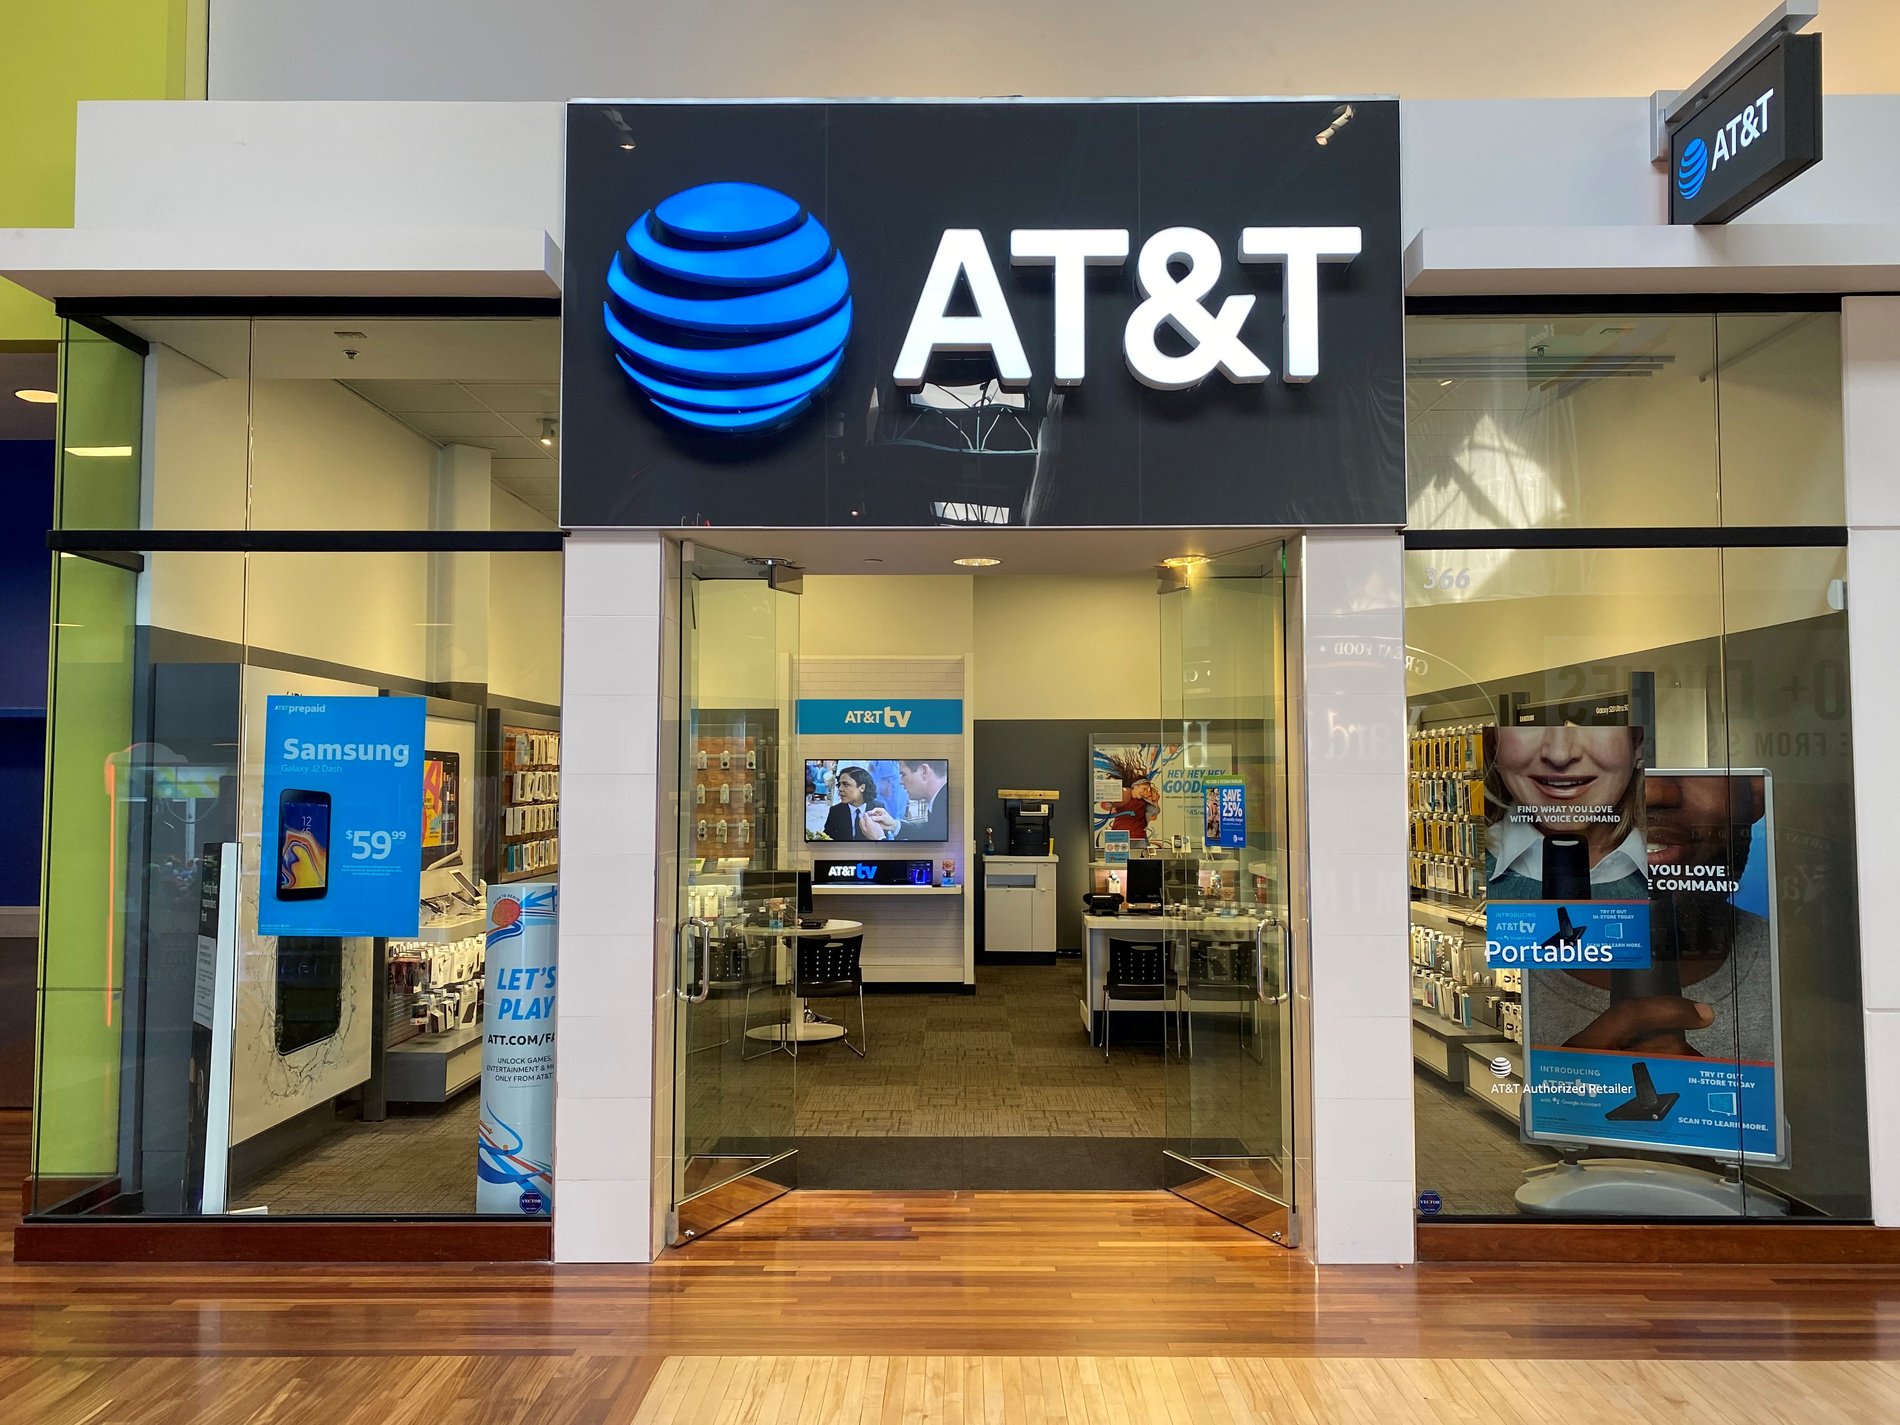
(1117, 1284)
(1227, 1390)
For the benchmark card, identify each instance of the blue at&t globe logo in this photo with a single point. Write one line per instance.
(1693, 170)
(728, 306)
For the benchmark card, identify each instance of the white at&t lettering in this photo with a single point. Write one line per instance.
(1741, 131)
(1213, 333)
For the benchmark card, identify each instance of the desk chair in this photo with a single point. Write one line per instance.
(1224, 971)
(831, 967)
(1137, 970)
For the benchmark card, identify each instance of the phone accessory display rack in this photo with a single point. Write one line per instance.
(1462, 1010)
(732, 812)
(529, 816)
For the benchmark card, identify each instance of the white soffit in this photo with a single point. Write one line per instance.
(127, 262)
(1616, 261)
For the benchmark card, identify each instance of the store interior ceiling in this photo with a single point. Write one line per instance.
(490, 383)
(1074, 553)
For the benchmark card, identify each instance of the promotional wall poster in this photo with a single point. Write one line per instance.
(342, 820)
(1153, 791)
(1677, 1051)
(1224, 807)
(514, 1160)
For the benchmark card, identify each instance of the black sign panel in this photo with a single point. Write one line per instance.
(1749, 136)
(741, 279)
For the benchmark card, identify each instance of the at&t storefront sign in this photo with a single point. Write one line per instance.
(995, 312)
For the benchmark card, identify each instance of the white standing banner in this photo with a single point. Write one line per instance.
(515, 1151)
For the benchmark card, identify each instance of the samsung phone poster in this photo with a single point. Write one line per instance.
(1676, 1048)
(514, 1162)
(342, 816)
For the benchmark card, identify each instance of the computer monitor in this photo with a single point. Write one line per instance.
(1144, 881)
(758, 887)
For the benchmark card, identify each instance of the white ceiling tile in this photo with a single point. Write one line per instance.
(461, 427)
(416, 397)
(511, 398)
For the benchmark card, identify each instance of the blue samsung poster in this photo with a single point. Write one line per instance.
(342, 825)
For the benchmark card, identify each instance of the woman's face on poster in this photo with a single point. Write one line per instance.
(1552, 768)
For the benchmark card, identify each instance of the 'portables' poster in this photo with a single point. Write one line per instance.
(342, 816)
(1675, 1049)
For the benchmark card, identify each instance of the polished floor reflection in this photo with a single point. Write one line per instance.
(1141, 1300)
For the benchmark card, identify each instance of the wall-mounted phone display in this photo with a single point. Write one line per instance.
(309, 991)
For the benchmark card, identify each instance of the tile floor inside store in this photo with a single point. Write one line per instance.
(996, 1089)
(1467, 1154)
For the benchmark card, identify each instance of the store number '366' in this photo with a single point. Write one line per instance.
(1448, 578)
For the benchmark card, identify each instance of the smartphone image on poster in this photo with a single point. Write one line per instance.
(303, 845)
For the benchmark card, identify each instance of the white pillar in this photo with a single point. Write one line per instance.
(1870, 369)
(1355, 1173)
(604, 1080)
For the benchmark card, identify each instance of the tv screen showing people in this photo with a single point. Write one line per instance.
(877, 799)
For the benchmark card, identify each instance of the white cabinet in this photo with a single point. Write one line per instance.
(1019, 905)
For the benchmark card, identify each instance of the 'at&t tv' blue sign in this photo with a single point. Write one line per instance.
(930, 717)
(342, 823)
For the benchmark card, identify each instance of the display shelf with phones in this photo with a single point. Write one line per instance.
(433, 1016)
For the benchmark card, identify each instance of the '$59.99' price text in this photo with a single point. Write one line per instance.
(374, 845)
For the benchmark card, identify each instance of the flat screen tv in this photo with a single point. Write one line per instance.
(877, 799)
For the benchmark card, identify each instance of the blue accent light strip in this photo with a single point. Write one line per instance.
(738, 398)
(799, 253)
(774, 358)
(796, 305)
(739, 421)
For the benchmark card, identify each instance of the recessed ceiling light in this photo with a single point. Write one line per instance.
(35, 397)
(1183, 561)
(98, 452)
(1445, 382)
(977, 562)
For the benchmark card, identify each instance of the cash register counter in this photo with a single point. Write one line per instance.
(1174, 931)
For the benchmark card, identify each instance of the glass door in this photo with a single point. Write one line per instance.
(737, 904)
(1228, 1106)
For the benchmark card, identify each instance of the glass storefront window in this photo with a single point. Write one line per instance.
(199, 1053)
(1623, 421)
(1635, 952)
(296, 423)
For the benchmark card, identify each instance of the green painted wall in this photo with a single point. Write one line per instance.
(89, 772)
(52, 56)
